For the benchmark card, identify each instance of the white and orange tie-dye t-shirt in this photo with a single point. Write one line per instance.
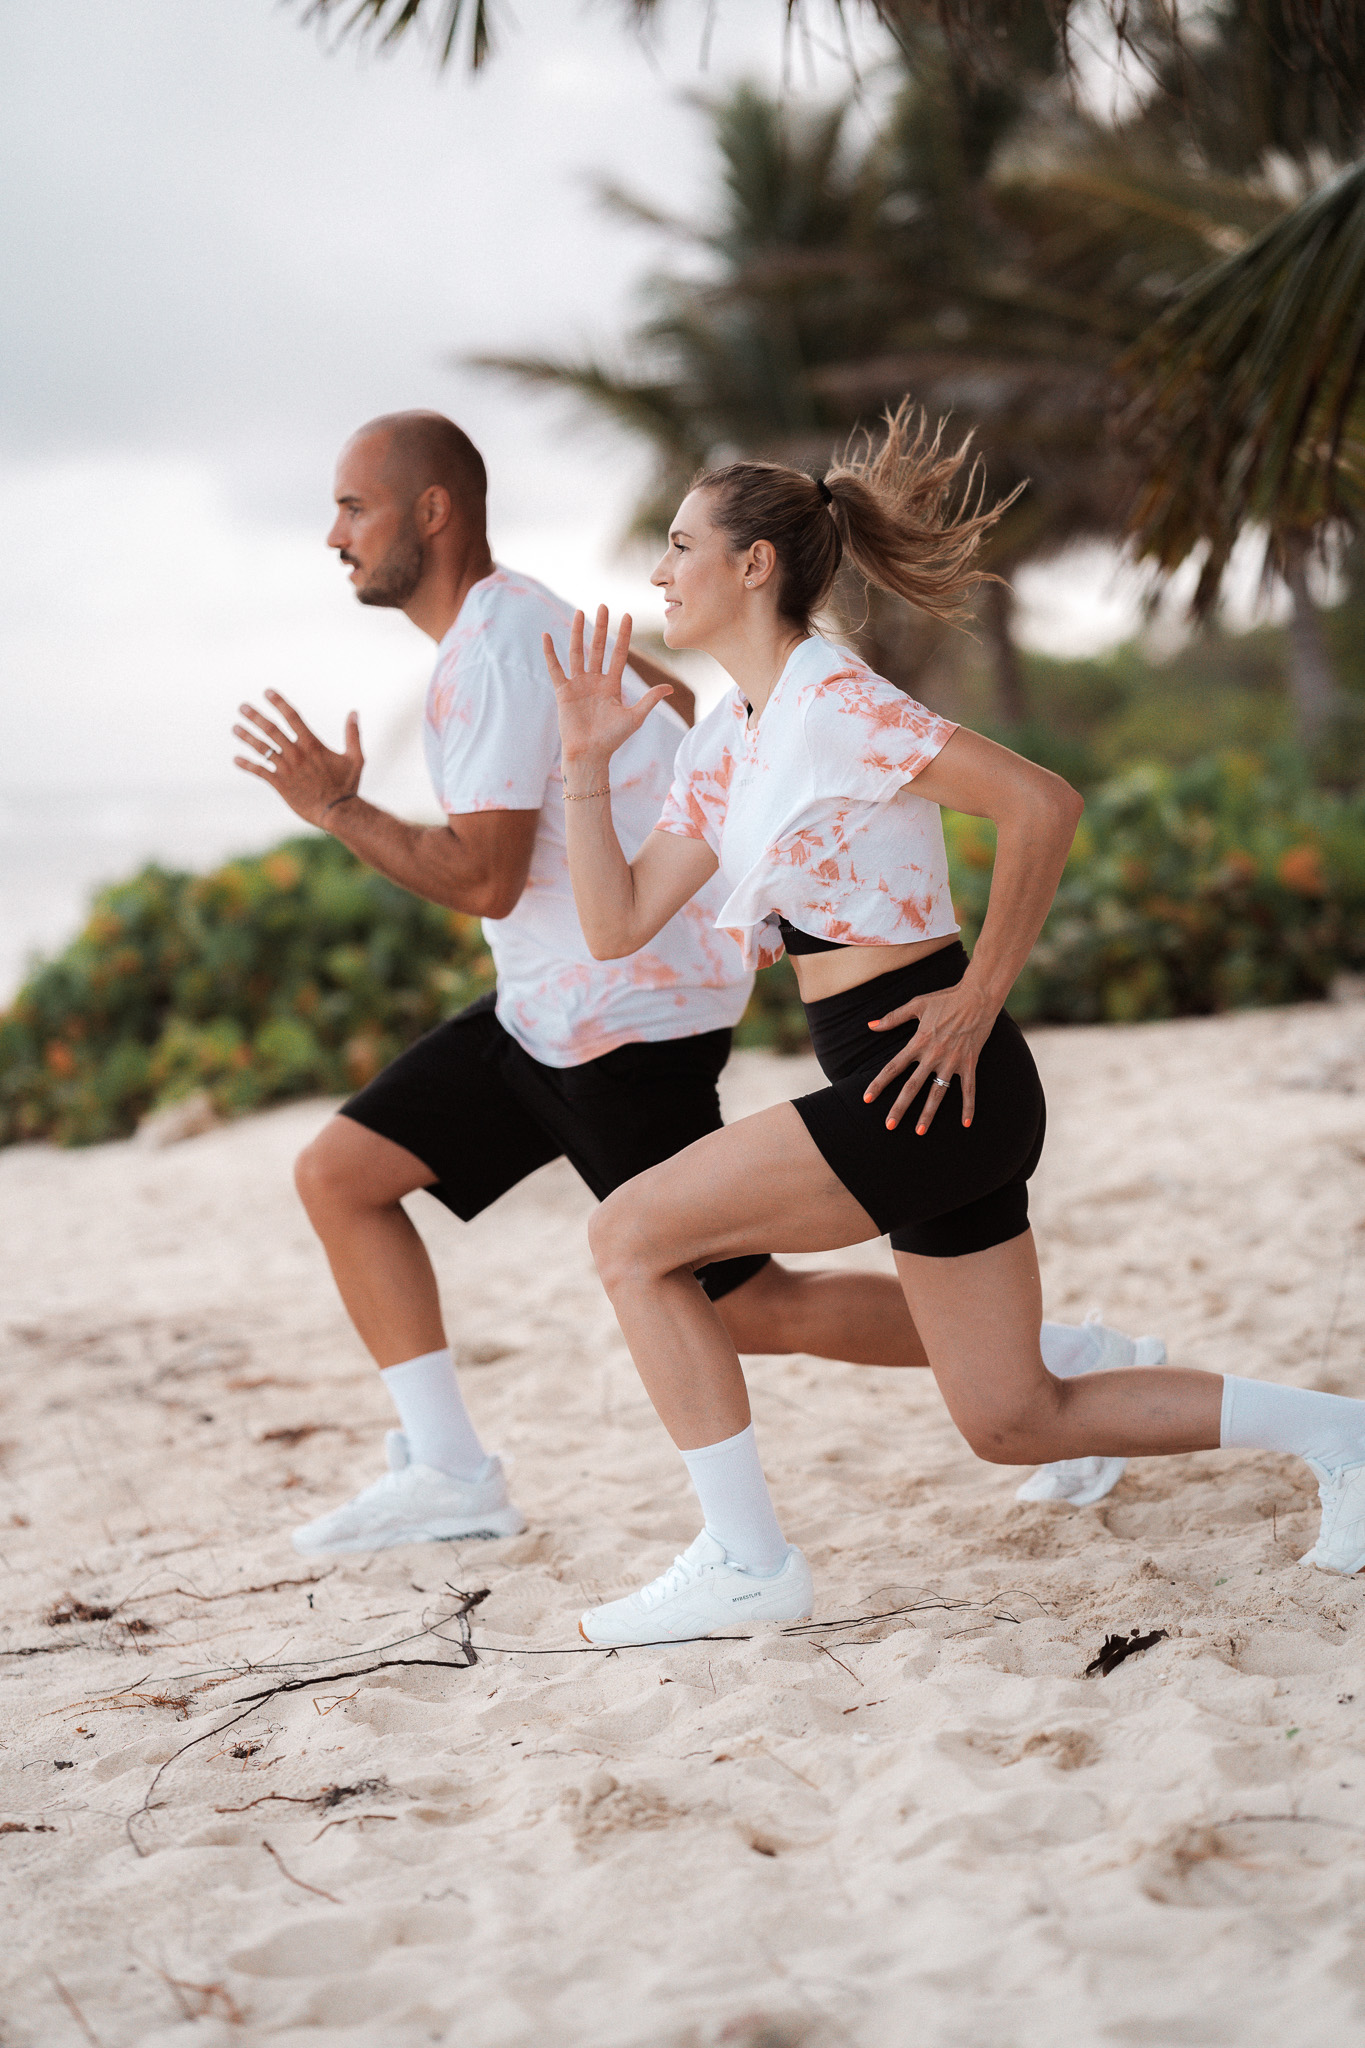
(811, 811)
(492, 744)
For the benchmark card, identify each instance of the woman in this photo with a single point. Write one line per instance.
(815, 787)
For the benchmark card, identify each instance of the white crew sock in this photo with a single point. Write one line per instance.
(1258, 1415)
(431, 1410)
(1069, 1349)
(735, 1503)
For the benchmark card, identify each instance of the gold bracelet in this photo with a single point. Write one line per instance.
(581, 796)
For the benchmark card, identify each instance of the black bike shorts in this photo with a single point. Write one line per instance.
(481, 1114)
(953, 1191)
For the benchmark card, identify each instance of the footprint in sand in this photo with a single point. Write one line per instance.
(1277, 1861)
(346, 1942)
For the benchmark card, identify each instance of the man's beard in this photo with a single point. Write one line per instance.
(394, 579)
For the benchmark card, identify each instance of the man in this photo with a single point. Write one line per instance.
(612, 1064)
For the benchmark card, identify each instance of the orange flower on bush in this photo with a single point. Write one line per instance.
(363, 1060)
(59, 1059)
(1300, 869)
(282, 869)
(104, 927)
(1239, 865)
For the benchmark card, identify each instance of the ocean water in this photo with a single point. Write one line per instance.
(58, 846)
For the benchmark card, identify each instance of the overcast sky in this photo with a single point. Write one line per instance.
(223, 245)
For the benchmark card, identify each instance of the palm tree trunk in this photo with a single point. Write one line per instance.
(1312, 679)
(997, 619)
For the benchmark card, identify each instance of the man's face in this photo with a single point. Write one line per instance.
(375, 530)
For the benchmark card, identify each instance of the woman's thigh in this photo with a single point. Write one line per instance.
(979, 1318)
(757, 1185)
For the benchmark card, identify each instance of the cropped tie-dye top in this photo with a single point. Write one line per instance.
(810, 811)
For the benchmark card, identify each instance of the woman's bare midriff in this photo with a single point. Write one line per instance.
(828, 974)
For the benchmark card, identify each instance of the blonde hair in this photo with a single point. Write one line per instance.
(890, 509)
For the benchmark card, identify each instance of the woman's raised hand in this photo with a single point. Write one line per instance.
(594, 718)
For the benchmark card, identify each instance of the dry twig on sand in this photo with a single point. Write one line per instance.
(113, 1702)
(321, 1802)
(239, 1592)
(198, 2001)
(345, 1819)
(931, 1603)
(468, 1656)
(316, 1889)
(77, 2015)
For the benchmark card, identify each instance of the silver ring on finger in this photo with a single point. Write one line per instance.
(939, 1081)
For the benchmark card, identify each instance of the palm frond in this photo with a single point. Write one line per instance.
(1249, 394)
(628, 206)
(982, 34)
(652, 409)
(390, 20)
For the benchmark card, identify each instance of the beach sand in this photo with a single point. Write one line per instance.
(926, 1829)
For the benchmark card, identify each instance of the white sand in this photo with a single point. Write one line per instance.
(928, 1831)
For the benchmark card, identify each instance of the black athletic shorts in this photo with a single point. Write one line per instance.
(481, 1114)
(952, 1191)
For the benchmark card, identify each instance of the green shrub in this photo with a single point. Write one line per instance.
(298, 972)
(774, 1020)
(1190, 889)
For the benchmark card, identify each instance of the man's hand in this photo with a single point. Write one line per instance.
(653, 672)
(308, 775)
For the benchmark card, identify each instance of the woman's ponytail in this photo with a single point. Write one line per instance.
(894, 509)
(888, 510)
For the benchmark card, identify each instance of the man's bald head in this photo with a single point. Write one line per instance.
(411, 493)
(421, 449)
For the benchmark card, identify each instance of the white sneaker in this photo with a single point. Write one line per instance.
(1080, 1482)
(415, 1504)
(699, 1593)
(1341, 1539)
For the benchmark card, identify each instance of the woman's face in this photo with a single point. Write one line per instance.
(701, 577)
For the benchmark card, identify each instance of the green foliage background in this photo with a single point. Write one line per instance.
(1189, 890)
(1212, 885)
(294, 973)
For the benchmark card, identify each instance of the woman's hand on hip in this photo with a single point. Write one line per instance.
(594, 718)
(953, 1025)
